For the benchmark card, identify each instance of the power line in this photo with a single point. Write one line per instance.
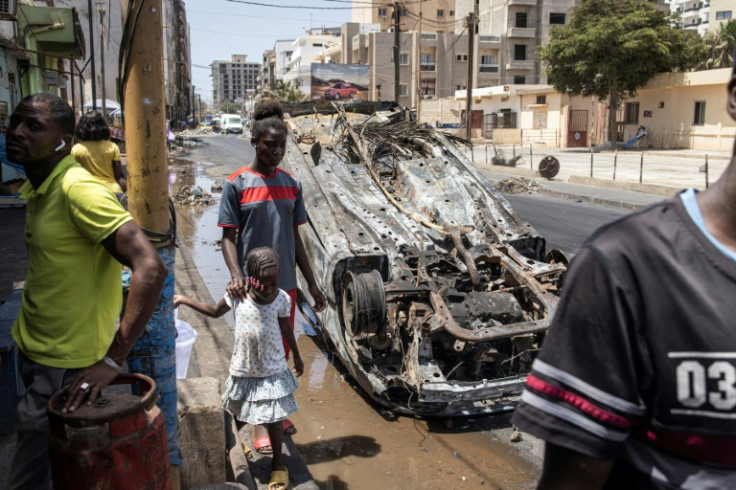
(261, 4)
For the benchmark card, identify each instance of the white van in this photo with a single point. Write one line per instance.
(231, 123)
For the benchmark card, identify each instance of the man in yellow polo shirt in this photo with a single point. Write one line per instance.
(77, 235)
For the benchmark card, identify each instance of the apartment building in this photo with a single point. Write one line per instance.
(234, 80)
(721, 11)
(694, 14)
(431, 64)
(437, 15)
(268, 72)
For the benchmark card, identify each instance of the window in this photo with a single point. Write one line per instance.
(486, 59)
(382, 12)
(404, 12)
(699, 116)
(404, 58)
(723, 15)
(461, 57)
(556, 18)
(428, 86)
(452, 13)
(519, 79)
(520, 19)
(631, 115)
(540, 120)
(541, 99)
(403, 90)
(440, 13)
(519, 52)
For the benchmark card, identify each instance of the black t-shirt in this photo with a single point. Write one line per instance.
(639, 363)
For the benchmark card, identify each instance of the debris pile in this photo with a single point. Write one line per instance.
(192, 196)
(518, 185)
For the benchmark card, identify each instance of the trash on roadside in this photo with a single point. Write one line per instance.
(518, 185)
(192, 196)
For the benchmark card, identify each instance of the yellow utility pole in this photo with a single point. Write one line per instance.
(419, 65)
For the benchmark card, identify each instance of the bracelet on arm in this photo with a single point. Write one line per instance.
(112, 363)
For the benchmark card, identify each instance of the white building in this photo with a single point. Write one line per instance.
(305, 51)
(694, 14)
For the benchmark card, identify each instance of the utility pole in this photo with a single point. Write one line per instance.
(148, 198)
(397, 47)
(470, 22)
(92, 56)
(419, 65)
(101, 10)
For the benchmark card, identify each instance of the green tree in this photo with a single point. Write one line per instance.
(720, 47)
(610, 48)
(230, 107)
(285, 92)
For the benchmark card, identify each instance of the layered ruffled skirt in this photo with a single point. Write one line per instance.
(261, 400)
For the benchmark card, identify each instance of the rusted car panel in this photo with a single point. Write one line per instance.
(439, 294)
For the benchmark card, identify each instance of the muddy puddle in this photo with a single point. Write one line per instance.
(345, 439)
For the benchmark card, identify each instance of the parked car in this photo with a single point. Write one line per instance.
(342, 90)
(439, 295)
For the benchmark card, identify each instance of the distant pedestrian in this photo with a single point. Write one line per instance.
(77, 234)
(635, 385)
(97, 154)
(260, 388)
(262, 205)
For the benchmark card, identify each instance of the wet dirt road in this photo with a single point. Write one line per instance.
(346, 440)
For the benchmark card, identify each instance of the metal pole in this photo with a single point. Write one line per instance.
(615, 162)
(71, 80)
(92, 56)
(419, 65)
(470, 21)
(531, 157)
(591, 162)
(641, 167)
(486, 154)
(101, 10)
(706, 171)
(397, 51)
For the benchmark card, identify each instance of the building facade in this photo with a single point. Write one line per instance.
(268, 71)
(235, 80)
(305, 51)
(436, 15)
(694, 14)
(721, 11)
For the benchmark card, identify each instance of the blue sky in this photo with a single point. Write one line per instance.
(219, 28)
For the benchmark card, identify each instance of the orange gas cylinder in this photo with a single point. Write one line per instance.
(119, 442)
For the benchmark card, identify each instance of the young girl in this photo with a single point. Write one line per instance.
(262, 206)
(260, 387)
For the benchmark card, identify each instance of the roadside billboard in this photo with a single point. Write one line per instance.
(340, 82)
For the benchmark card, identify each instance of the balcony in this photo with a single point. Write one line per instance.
(524, 32)
(428, 67)
(489, 41)
(520, 65)
(485, 68)
(522, 2)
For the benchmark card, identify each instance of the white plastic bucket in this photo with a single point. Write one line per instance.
(185, 337)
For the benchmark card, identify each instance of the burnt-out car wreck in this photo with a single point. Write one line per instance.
(439, 294)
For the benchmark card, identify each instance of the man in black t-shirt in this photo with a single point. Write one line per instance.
(635, 386)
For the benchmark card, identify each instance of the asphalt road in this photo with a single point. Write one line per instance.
(565, 224)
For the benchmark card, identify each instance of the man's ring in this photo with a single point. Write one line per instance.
(84, 386)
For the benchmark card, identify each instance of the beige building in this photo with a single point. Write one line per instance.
(678, 110)
(268, 70)
(437, 15)
(721, 11)
(434, 66)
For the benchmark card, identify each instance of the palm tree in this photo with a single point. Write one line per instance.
(285, 92)
(720, 47)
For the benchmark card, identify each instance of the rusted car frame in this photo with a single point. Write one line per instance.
(439, 294)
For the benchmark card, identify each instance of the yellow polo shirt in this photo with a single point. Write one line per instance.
(97, 158)
(73, 291)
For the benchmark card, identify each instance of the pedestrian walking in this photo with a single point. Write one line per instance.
(635, 384)
(262, 205)
(77, 235)
(97, 154)
(260, 388)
